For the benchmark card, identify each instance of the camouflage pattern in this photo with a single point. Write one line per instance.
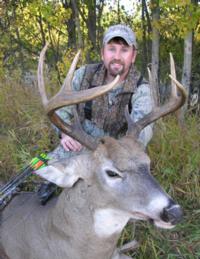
(108, 111)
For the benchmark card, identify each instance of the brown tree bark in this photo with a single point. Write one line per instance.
(155, 50)
(77, 23)
(71, 24)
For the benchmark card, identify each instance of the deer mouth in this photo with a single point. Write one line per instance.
(156, 222)
(161, 224)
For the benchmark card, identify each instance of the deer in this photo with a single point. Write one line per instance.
(104, 187)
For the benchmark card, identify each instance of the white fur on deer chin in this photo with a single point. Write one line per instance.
(109, 221)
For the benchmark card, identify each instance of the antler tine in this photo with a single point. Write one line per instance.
(40, 76)
(177, 99)
(173, 73)
(133, 127)
(75, 130)
(68, 79)
(150, 76)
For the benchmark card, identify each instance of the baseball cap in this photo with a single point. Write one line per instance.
(122, 31)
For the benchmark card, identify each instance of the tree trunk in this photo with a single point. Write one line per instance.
(186, 73)
(71, 24)
(155, 51)
(91, 26)
(146, 30)
(118, 12)
(99, 34)
(144, 41)
(77, 22)
(91, 22)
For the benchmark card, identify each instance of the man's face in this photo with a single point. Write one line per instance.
(118, 57)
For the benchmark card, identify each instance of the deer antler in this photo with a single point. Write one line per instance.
(65, 97)
(177, 99)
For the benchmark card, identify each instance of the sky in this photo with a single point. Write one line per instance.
(128, 4)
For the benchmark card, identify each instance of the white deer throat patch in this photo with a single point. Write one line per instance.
(109, 221)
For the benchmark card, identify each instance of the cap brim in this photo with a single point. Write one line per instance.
(117, 35)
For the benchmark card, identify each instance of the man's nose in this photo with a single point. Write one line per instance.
(117, 55)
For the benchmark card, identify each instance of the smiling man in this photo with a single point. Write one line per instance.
(98, 117)
(105, 115)
(118, 53)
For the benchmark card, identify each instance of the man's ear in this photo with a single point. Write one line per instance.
(64, 174)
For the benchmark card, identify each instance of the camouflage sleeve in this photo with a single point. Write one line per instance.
(142, 103)
(66, 112)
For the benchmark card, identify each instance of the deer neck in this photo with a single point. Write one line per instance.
(92, 222)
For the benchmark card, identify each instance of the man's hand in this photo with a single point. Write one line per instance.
(70, 144)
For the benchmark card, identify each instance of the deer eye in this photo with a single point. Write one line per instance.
(143, 168)
(111, 173)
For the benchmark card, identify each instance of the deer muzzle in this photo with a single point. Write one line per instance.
(172, 213)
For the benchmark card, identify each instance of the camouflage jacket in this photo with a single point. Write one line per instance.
(107, 112)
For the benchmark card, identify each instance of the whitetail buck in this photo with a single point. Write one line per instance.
(105, 187)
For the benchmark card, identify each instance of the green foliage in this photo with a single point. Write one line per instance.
(177, 18)
(178, 162)
(24, 130)
(26, 26)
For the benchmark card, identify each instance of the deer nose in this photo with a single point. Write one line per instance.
(172, 213)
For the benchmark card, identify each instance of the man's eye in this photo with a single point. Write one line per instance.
(111, 173)
(124, 50)
(111, 49)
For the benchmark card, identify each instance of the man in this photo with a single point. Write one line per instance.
(105, 115)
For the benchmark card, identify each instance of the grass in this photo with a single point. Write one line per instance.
(25, 130)
(175, 155)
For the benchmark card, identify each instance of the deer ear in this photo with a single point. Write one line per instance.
(63, 173)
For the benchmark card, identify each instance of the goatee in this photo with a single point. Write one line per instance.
(116, 70)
